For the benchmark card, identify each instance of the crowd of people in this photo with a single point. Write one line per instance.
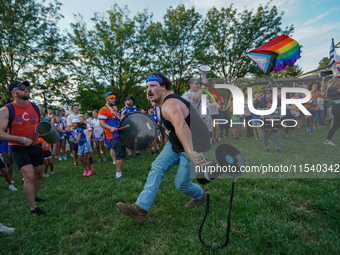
(34, 156)
(322, 106)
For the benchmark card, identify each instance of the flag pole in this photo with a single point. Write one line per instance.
(270, 78)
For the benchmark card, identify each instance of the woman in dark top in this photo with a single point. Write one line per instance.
(333, 93)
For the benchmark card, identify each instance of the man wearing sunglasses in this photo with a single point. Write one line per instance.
(23, 140)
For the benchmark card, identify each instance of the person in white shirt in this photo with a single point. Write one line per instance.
(193, 95)
(73, 147)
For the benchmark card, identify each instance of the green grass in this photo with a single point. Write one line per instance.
(269, 216)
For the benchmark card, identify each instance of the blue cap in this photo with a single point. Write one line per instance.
(109, 94)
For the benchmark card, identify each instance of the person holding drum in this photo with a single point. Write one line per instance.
(129, 108)
(266, 103)
(23, 140)
(109, 120)
(181, 122)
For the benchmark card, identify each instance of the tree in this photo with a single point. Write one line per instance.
(173, 44)
(225, 35)
(29, 46)
(108, 54)
(324, 62)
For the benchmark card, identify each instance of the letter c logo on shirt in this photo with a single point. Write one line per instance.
(24, 118)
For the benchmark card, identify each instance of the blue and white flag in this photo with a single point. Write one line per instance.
(334, 59)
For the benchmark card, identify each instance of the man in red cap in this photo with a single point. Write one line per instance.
(23, 140)
(109, 120)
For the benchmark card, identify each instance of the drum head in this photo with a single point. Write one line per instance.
(140, 133)
(205, 68)
(228, 156)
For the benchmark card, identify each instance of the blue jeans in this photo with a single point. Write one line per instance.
(163, 163)
(320, 115)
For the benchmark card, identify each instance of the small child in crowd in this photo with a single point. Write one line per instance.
(60, 146)
(48, 161)
(84, 147)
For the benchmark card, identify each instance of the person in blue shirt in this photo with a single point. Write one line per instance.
(129, 108)
(151, 113)
(84, 147)
(60, 146)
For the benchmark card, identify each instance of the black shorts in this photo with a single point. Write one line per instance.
(26, 155)
(215, 117)
(74, 147)
(118, 148)
(47, 154)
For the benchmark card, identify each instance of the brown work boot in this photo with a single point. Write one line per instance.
(194, 202)
(135, 212)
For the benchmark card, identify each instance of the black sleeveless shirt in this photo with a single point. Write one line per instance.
(199, 131)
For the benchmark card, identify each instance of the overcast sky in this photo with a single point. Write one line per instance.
(316, 22)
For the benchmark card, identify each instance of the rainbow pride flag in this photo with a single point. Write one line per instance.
(277, 54)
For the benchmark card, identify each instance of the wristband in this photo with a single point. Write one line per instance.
(24, 140)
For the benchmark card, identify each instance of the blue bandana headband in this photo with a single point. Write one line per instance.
(155, 77)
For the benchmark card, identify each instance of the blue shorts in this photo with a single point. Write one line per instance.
(85, 148)
(108, 144)
(313, 112)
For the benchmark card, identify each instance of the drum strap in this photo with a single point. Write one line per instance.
(113, 112)
(228, 218)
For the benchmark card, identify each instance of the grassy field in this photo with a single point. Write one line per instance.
(270, 216)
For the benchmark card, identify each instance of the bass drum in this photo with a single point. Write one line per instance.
(137, 131)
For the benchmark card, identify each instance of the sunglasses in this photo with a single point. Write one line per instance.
(21, 88)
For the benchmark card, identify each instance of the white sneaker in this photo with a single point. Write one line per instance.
(99, 160)
(114, 162)
(71, 155)
(6, 230)
(12, 182)
(12, 188)
(104, 159)
(23, 179)
(330, 143)
(52, 173)
(46, 175)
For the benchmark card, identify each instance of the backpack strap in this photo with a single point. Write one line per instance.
(11, 113)
(36, 109)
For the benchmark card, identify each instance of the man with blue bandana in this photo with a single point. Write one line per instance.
(181, 122)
